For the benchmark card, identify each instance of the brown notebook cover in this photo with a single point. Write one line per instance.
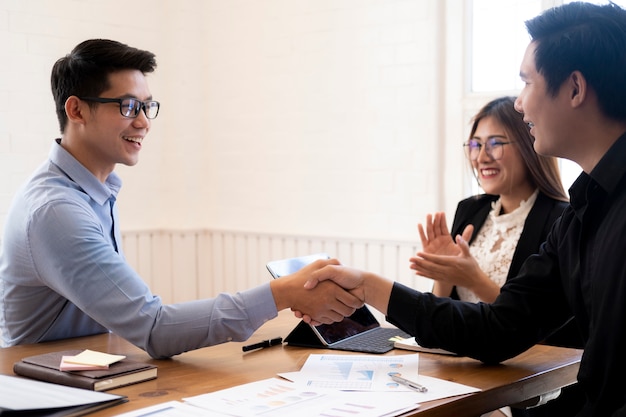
(45, 367)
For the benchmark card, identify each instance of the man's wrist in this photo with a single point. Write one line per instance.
(376, 291)
(280, 294)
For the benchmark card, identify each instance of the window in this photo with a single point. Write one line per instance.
(499, 39)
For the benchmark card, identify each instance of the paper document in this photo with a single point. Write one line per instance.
(440, 388)
(372, 373)
(256, 397)
(327, 385)
(356, 372)
(170, 409)
(279, 398)
(23, 394)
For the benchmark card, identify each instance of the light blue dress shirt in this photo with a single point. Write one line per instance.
(63, 273)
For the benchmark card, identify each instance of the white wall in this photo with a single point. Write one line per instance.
(310, 117)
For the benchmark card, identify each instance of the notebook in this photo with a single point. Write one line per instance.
(360, 332)
(45, 367)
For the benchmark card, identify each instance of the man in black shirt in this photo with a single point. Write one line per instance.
(574, 99)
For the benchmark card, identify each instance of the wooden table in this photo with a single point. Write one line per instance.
(540, 370)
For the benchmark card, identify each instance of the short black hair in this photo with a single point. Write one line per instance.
(85, 71)
(587, 38)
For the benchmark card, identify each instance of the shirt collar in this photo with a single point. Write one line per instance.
(606, 175)
(609, 171)
(98, 191)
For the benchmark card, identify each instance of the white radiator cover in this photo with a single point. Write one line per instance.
(182, 265)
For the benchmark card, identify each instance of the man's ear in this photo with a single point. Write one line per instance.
(75, 109)
(577, 85)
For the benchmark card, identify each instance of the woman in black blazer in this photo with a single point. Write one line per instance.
(495, 232)
(523, 197)
(544, 212)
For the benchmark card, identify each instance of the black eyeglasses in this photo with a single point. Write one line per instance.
(493, 147)
(130, 107)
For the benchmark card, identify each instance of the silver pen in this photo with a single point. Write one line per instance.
(409, 383)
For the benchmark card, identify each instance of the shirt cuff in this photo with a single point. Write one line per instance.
(260, 304)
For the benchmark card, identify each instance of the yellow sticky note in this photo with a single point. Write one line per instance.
(66, 366)
(90, 357)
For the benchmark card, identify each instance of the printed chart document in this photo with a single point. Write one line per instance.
(356, 372)
(327, 385)
(279, 398)
(171, 409)
(372, 373)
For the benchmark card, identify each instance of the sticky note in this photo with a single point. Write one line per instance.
(90, 357)
(67, 366)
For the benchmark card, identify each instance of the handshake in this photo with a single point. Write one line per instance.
(324, 291)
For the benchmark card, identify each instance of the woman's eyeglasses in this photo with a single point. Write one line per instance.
(130, 107)
(493, 147)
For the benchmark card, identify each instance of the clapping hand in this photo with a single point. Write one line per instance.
(449, 262)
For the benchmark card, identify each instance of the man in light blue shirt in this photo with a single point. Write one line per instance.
(62, 269)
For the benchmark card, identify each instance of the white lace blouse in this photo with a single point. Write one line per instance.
(495, 243)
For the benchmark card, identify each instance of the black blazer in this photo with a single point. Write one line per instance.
(545, 211)
(474, 210)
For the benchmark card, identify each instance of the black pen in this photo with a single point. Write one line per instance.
(263, 344)
(408, 383)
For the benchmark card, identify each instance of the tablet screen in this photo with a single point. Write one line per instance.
(359, 322)
(289, 266)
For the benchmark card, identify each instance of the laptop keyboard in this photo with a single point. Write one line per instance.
(375, 341)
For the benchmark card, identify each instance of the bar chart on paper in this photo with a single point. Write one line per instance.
(342, 375)
(278, 398)
(356, 372)
(254, 398)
